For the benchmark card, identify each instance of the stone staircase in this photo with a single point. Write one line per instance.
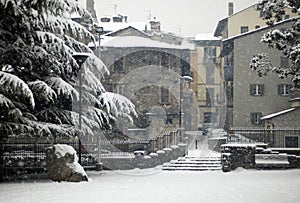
(192, 163)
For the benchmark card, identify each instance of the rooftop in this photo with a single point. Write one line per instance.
(205, 36)
(134, 41)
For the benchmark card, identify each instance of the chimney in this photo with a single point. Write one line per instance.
(230, 8)
(155, 25)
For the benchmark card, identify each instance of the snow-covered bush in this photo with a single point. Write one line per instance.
(62, 164)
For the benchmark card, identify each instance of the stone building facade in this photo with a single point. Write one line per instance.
(208, 80)
(149, 73)
(241, 33)
(254, 96)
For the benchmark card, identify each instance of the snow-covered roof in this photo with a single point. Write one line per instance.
(187, 42)
(277, 114)
(112, 27)
(128, 27)
(134, 41)
(205, 36)
(295, 99)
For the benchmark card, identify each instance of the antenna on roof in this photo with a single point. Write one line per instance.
(149, 15)
(115, 6)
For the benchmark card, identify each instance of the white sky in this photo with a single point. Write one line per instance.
(185, 16)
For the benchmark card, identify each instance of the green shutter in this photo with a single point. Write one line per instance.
(261, 89)
(252, 89)
(279, 89)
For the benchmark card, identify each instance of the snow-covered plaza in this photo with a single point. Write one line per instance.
(155, 185)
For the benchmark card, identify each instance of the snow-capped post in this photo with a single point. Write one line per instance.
(80, 59)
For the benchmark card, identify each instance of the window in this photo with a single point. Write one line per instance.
(165, 60)
(118, 88)
(286, 17)
(209, 56)
(118, 66)
(210, 73)
(164, 95)
(169, 119)
(255, 118)
(207, 117)
(256, 89)
(284, 89)
(210, 96)
(284, 61)
(244, 29)
(291, 142)
(261, 13)
(105, 20)
(117, 19)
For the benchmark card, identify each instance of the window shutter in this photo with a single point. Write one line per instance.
(279, 89)
(259, 116)
(262, 89)
(289, 88)
(252, 89)
(252, 118)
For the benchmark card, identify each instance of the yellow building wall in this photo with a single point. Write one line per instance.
(248, 17)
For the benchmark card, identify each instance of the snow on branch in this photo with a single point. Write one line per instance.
(272, 9)
(53, 43)
(117, 105)
(43, 91)
(65, 26)
(76, 45)
(13, 85)
(98, 115)
(87, 124)
(10, 129)
(5, 102)
(96, 66)
(90, 80)
(63, 88)
(48, 129)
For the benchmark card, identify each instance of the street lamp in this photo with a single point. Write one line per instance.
(100, 31)
(80, 59)
(183, 78)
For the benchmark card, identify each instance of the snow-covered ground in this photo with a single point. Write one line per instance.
(155, 186)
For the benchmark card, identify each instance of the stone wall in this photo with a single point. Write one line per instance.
(237, 155)
(144, 161)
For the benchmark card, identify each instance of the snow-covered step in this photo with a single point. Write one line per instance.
(200, 159)
(194, 164)
(191, 169)
(191, 165)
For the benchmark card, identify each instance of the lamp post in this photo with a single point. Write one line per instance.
(183, 79)
(80, 59)
(100, 31)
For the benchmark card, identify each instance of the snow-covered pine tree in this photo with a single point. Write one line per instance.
(38, 84)
(287, 41)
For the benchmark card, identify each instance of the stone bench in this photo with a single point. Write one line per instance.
(271, 161)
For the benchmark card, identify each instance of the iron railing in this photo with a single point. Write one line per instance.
(274, 137)
(29, 155)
